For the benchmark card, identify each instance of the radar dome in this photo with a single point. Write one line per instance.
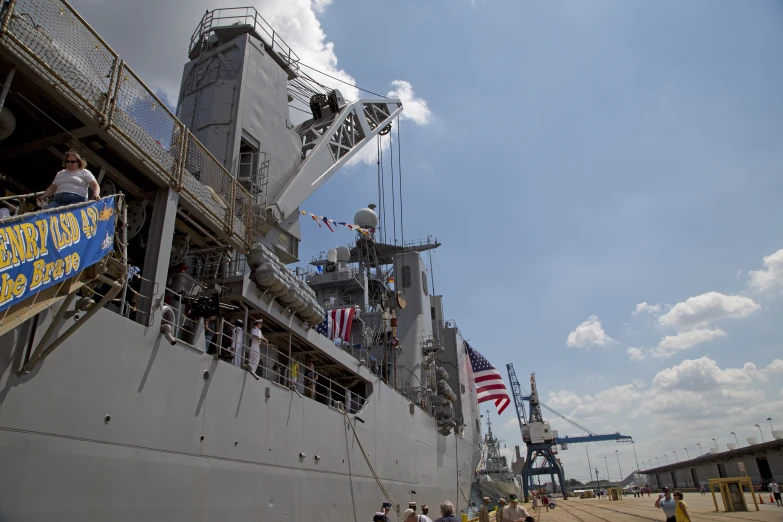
(366, 218)
(343, 254)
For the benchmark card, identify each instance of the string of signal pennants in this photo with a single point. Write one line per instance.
(329, 222)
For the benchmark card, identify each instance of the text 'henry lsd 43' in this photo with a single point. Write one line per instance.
(45, 249)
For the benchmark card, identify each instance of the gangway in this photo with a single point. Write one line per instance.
(54, 256)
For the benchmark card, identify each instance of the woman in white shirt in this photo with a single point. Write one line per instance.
(70, 184)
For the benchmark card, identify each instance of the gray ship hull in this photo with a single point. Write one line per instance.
(179, 446)
(496, 490)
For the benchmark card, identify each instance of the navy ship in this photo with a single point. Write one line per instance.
(494, 478)
(159, 358)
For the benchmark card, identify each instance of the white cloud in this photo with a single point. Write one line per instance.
(414, 109)
(695, 396)
(672, 344)
(589, 333)
(511, 423)
(704, 375)
(644, 307)
(636, 354)
(770, 277)
(703, 309)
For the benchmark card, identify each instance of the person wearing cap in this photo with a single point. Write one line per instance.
(385, 509)
(499, 513)
(254, 355)
(409, 515)
(237, 342)
(669, 505)
(514, 512)
(379, 517)
(424, 510)
(483, 511)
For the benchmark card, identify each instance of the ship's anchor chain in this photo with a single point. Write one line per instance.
(367, 459)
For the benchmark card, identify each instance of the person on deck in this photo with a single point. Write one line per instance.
(254, 354)
(237, 343)
(70, 184)
(309, 380)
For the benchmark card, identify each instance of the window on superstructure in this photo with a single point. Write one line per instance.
(424, 282)
(406, 277)
(248, 161)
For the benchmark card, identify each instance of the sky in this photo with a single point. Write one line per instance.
(604, 177)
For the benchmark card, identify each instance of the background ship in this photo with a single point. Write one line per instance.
(494, 478)
(114, 401)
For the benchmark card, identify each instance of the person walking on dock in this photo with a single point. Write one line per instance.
(499, 517)
(775, 489)
(514, 512)
(425, 509)
(669, 505)
(681, 513)
(446, 512)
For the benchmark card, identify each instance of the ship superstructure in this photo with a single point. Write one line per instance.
(494, 478)
(149, 408)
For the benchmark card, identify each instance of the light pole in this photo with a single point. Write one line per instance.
(666, 457)
(598, 479)
(686, 454)
(618, 464)
(769, 419)
(762, 435)
(608, 477)
(716, 444)
(633, 445)
(589, 466)
(675, 456)
(659, 461)
(735, 438)
(701, 451)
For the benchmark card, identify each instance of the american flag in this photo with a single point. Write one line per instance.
(489, 383)
(337, 323)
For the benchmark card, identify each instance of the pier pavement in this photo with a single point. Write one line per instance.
(630, 509)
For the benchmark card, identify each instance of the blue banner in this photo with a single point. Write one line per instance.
(47, 248)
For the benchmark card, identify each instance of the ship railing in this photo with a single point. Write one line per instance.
(278, 366)
(196, 334)
(18, 204)
(59, 46)
(239, 16)
(220, 267)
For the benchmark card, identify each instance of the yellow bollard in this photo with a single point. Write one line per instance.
(464, 517)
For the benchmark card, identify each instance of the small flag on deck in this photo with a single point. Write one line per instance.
(489, 383)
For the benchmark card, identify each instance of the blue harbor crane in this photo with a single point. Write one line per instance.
(541, 440)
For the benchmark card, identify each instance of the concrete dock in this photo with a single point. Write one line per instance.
(701, 509)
